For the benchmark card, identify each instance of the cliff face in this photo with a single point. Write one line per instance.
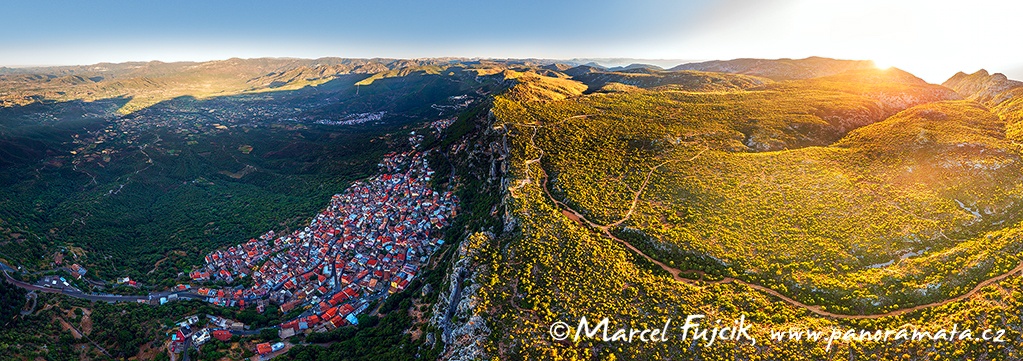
(461, 313)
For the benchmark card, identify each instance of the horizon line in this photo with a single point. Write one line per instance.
(471, 58)
(602, 61)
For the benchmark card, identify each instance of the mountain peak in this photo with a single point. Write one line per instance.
(636, 66)
(982, 86)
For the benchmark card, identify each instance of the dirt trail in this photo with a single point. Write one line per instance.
(157, 265)
(78, 335)
(572, 214)
(576, 216)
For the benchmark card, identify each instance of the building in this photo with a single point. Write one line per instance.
(222, 335)
(264, 348)
(370, 241)
(78, 271)
(177, 341)
(190, 320)
(201, 337)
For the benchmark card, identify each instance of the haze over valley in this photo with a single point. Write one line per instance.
(695, 180)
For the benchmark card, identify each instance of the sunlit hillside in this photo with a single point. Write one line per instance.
(145, 84)
(810, 193)
(865, 191)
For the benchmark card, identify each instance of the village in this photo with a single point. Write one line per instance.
(369, 242)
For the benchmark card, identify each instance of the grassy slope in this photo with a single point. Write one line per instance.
(676, 80)
(556, 270)
(819, 222)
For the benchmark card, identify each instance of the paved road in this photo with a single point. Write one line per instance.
(252, 332)
(96, 296)
(5, 267)
(120, 298)
(35, 302)
(188, 345)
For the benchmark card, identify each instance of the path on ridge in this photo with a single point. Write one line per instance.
(574, 215)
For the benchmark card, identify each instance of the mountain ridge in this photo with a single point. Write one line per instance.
(780, 69)
(833, 191)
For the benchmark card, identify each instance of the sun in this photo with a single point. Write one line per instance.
(882, 64)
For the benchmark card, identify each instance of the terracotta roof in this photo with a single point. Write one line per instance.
(264, 348)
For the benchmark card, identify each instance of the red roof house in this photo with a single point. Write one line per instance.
(223, 335)
(264, 348)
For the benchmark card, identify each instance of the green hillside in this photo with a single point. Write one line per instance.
(767, 185)
(171, 181)
(810, 193)
(688, 80)
(900, 196)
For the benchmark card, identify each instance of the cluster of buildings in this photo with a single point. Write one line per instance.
(455, 103)
(370, 241)
(439, 125)
(237, 261)
(54, 282)
(190, 329)
(354, 119)
(78, 271)
(267, 348)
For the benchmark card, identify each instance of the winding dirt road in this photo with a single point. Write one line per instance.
(675, 272)
(814, 309)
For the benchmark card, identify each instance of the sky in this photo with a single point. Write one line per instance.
(932, 39)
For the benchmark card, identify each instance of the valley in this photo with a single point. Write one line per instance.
(473, 203)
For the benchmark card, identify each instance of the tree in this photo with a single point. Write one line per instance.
(268, 334)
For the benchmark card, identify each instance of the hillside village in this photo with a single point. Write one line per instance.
(369, 242)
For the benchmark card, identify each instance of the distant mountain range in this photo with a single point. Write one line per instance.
(147, 83)
(792, 192)
(781, 69)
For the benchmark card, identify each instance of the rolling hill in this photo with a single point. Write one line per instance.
(856, 192)
(647, 78)
(799, 194)
(1004, 96)
(780, 69)
(145, 84)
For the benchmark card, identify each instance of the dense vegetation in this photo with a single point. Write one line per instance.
(827, 224)
(102, 330)
(459, 150)
(894, 208)
(857, 190)
(11, 300)
(147, 195)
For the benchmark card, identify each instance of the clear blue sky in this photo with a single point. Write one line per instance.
(66, 32)
(933, 39)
